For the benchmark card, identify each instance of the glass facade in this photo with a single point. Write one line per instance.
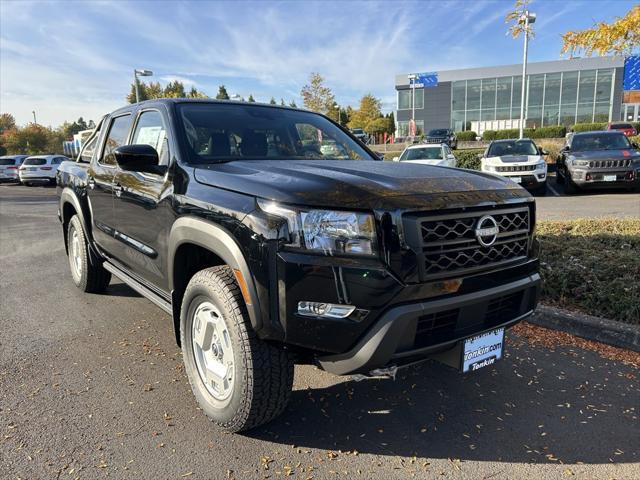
(403, 127)
(562, 98)
(405, 97)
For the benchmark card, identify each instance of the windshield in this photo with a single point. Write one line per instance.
(600, 141)
(514, 147)
(35, 161)
(441, 132)
(226, 132)
(422, 154)
(357, 131)
(7, 161)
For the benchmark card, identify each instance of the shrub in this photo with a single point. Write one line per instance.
(587, 127)
(636, 125)
(468, 158)
(489, 135)
(553, 131)
(466, 136)
(635, 140)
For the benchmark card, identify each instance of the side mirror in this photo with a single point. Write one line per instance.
(379, 155)
(543, 152)
(480, 156)
(396, 159)
(139, 158)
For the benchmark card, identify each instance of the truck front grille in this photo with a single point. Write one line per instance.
(448, 245)
(516, 168)
(610, 163)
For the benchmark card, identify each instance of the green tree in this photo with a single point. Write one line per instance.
(272, 101)
(282, 104)
(620, 37)
(32, 139)
(251, 99)
(222, 93)
(368, 112)
(7, 122)
(194, 93)
(174, 89)
(154, 90)
(316, 96)
(292, 104)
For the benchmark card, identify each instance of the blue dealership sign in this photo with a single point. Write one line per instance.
(632, 73)
(425, 80)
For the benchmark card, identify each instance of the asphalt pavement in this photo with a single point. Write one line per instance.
(92, 386)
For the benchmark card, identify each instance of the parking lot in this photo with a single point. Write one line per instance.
(92, 386)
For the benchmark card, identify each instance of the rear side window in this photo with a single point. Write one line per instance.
(116, 138)
(7, 161)
(35, 161)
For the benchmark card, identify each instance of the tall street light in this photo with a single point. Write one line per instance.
(337, 107)
(527, 18)
(412, 81)
(142, 73)
(34, 117)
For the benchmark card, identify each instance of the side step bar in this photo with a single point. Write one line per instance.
(139, 287)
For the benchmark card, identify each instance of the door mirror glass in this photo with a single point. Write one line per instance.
(138, 158)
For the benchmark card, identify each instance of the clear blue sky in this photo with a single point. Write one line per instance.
(71, 59)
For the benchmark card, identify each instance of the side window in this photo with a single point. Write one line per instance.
(116, 138)
(150, 130)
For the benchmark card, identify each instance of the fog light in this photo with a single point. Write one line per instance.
(588, 177)
(326, 310)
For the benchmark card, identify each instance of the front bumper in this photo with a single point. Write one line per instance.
(528, 178)
(36, 178)
(409, 332)
(584, 177)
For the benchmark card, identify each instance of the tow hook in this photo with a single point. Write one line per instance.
(378, 373)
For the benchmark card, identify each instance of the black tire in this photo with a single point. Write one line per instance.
(263, 373)
(87, 277)
(541, 191)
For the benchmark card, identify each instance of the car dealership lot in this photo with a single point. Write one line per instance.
(93, 385)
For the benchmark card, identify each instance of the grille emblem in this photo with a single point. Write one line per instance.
(487, 230)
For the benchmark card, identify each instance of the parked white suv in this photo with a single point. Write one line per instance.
(9, 165)
(428, 154)
(519, 160)
(40, 169)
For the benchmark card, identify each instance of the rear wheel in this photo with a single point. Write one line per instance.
(87, 277)
(239, 381)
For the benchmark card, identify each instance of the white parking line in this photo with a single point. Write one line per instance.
(553, 190)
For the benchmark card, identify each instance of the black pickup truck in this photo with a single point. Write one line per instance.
(267, 252)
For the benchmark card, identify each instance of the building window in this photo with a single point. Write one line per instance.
(503, 98)
(551, 112)
(403, 127)
(488, 99)
(405, 97)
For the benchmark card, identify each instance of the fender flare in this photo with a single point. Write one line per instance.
(219, 241)
(68, 195)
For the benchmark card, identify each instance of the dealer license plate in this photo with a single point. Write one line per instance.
(516, 179)
(482, 350)
(609, 178)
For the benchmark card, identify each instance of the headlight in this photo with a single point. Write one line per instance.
(327, 231)
(580, 163)
(541, 166)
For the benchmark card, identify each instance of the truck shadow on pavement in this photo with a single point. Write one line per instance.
(536, 406)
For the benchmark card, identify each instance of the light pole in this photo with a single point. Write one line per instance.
(527, 18)
(412, 81)
(337, 107)
(35, 122)
(142, 73)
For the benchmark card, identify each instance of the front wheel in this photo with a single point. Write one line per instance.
(239, 381)
(88, 277)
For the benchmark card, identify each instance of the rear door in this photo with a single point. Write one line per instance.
(143, 213)
(100, 182)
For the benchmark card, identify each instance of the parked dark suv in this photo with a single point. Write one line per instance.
(268, 252)
(598, 159)
(442, 135)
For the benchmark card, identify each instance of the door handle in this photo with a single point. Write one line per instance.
(91, 183)
(118, 189)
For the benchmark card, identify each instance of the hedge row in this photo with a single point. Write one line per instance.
(554, 131)
(466, 136)
(587, 127)
(468, 158)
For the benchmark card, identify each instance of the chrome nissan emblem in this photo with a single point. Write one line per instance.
(487, 230)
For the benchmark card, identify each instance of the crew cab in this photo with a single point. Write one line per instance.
(598, 159)
(266, 252)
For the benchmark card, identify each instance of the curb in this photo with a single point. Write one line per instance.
(602, 330)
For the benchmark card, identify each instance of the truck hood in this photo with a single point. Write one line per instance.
(605, 154)
(361, 184)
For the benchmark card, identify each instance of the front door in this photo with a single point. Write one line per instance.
(100, 184)
(142, 206)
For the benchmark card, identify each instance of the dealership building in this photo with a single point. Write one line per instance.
(563, 92)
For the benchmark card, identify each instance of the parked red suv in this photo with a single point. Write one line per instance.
(625, 128)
